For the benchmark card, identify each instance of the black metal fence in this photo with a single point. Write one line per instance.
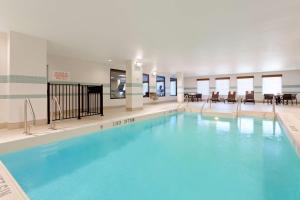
(75, 100)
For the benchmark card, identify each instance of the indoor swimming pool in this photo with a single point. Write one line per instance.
(182, 156)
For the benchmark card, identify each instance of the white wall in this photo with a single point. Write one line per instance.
(3, 76)
(290, 82)
(22, 74)
(27, 66)
(95, 73)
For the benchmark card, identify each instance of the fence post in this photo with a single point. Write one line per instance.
(48, 102)
(78, 106)
(101, 100)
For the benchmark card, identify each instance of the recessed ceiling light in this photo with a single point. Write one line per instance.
(109, 60)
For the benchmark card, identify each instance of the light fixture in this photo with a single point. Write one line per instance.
(139, 63)
(216, 118)
(109, 60)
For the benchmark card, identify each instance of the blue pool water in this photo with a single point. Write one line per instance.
(177, 157)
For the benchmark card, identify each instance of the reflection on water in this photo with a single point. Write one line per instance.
(246, 125)
(271, 128)
(223, 126)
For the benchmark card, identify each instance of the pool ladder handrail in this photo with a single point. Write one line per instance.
(274, 106)
(238, 107)
(26, 125)
(53, 102)
(202, 108)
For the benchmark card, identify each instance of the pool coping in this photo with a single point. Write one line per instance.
(292, 132)
(51, 136)
(10, 189)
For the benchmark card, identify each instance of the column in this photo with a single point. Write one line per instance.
(152, 83)
(26, 78)
(3, 79)
(180, 87)
(134, 86)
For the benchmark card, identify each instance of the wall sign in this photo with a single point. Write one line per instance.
(61, 76)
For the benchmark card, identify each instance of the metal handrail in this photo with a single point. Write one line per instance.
(181, 104)
(238, 107)
(273, 106)
(202, 108)
(54, 101)
(26, 126)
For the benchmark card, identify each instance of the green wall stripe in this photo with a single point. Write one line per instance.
(23, 79)
(83, 83)
(291, 86)
(3, 79)
(23, 96)
(190, 88)
(134, 84)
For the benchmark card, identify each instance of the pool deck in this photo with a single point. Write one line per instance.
(12, 139)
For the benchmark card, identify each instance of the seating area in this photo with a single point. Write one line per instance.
(283, 99)
(192, 97)
(249, 97)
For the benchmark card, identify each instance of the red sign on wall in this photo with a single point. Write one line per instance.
(61, 76)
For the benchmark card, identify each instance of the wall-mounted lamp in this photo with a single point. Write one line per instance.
(138, 63)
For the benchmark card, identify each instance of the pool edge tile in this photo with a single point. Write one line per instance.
(10, 188)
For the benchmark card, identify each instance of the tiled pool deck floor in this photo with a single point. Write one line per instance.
(109, 114)
(289, 114)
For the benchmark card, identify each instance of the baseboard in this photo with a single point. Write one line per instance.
(16, 125)
(158, 102)
(3, 125)
(134, 109)
(110, 107)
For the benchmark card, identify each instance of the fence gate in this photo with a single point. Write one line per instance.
(75, 100)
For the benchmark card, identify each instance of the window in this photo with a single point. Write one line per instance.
(222, 85)
(117, 83)
(145, 85)
(244, 83)
(203, 86)
(272, 84)
(173, 87)
(160, 86)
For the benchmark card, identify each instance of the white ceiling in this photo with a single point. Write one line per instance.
(197, 37)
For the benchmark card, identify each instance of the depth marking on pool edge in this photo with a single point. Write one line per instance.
(132, 119)
(294, 129)
(4, 187)
(9, 188)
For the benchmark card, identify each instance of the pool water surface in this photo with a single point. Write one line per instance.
(178, 157)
